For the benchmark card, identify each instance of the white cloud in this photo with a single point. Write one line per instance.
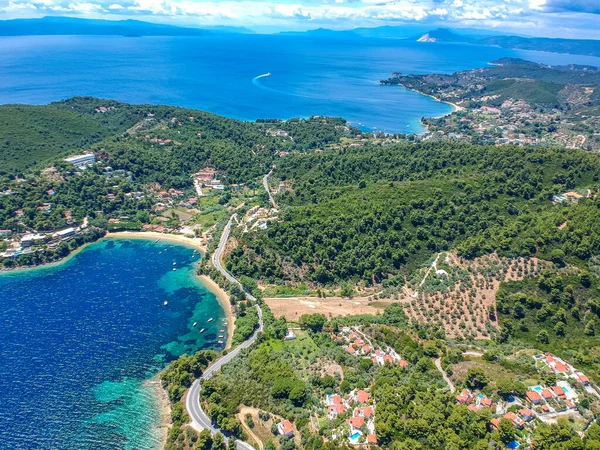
(332, 13)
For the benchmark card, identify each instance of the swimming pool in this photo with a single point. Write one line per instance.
(355, 436)
(537, 389)
(513, 445)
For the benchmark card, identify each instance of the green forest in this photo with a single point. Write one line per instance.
(372, 214)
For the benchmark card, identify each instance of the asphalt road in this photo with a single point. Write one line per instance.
(265, 181)
(200, 420)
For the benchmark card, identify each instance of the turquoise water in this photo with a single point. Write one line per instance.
(79, 342)
(309, 76)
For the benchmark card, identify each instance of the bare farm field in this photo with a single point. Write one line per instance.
(293, 307)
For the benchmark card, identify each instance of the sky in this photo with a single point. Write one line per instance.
(550, 18)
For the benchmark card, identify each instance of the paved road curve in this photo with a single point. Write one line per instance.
(265, 181)
(200, 420)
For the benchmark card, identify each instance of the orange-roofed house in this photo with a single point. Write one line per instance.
(547, 394)
(356, 422)
(367, 349)
(583, 380)
(462, 398)
(362, 396)
(495, 424)
(534, 397)
(365, 411)
(388, 359)
(560, 367)
(371, 439)
(559, 392)
(516, 420)
(473, 408)
(335, 410)
(335, 400)
(403, 363)
(527, 414)
(285, 428)
(350, 350)
(570, 404)
(486, 401)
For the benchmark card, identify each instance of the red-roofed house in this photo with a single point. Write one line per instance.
(516, 420)
(583, 380)
(335, 410)
(362, 396)
(350, 350)
(388, 359)
(371, 439)
(559, 392)
(495, 423)
(534, 397)
(473, 408)
(335, 400)
(547, 394)
(570, 404)
(365, 411)
(285, 428)
(560, 367)
(356, 422)
(367, 349)
(527, 414)
(486, 401)
(403, 363)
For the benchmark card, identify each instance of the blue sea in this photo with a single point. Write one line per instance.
(80, 342)
(309, 76)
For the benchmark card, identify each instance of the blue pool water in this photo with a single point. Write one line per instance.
(355, 436)
(309, 76)
(513, 445)
(79, 341)
(537, 389)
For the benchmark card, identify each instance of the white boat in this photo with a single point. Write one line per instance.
(202, 330)
(220, 342)
(174, 268)
(221, 336)
(195, 323)
(166, 303)
(210, 320)
(222, 331)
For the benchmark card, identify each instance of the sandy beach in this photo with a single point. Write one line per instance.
(223, 299)
(153, 235)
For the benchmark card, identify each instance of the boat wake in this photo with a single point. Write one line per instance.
(256, 81)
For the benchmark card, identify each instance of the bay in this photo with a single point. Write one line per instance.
(80, 339)
(309, 76)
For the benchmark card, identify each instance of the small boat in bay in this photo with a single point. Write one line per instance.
(220, 342)
(210, 320)
(195, 323)
(166, 303)
(202, 330)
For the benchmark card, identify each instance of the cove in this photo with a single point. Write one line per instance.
(80, 341)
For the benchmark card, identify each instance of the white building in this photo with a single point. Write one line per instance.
(82, 161)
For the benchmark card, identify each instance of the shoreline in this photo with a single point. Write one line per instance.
(164, 406)
(223, 299)
(150, 235)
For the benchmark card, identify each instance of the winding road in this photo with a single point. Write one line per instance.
(265, 181)
(200, 421)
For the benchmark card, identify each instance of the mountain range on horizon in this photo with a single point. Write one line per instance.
(56, 25)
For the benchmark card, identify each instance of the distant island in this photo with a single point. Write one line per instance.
(56, 25)
(515, 102)
(574, 46)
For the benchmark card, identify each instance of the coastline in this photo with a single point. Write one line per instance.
(164, 406)
(149, 235)
(223, 299)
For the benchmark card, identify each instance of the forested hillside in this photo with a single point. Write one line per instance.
(372, 213)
